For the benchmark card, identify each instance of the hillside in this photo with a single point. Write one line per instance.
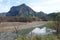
(23, 13)
(21, 10)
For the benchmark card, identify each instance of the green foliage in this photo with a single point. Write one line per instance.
(58, 22)
(58, 16)
(51, 25)
(46, 37)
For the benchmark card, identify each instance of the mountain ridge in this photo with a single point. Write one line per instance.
(20, 10)
(25, 11)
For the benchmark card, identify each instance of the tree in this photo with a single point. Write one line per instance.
(58, 22)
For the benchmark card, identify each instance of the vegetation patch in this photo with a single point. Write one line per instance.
(51, 25)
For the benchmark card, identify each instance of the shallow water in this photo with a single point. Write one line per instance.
(42, 31)
(36, 31)
(8, 36)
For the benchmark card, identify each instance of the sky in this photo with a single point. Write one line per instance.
(47, 6)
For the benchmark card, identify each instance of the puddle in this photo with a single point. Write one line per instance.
(42, 31)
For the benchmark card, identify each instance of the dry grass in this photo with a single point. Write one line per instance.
(10, 26)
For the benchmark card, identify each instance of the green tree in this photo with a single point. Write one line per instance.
(58, 22)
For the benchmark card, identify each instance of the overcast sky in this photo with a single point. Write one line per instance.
(47, 6)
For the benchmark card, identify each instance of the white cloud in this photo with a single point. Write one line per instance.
(46, 6)
(5, 5)
(4, 8)
(39, 8)
(1, 1)
(8, 2)
(50, 2)
(37, 5)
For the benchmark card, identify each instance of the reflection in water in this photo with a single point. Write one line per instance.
(42, 31)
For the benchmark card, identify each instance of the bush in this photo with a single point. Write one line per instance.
(18, 19)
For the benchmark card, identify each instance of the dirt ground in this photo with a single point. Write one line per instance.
(11, 26)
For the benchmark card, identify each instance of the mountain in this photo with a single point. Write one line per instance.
(41, 14)
(2, 14)
(24, 13)
(21, 10)
(52, 16)
(24, 10)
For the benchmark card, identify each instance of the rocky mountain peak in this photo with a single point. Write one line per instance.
(22, 9)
